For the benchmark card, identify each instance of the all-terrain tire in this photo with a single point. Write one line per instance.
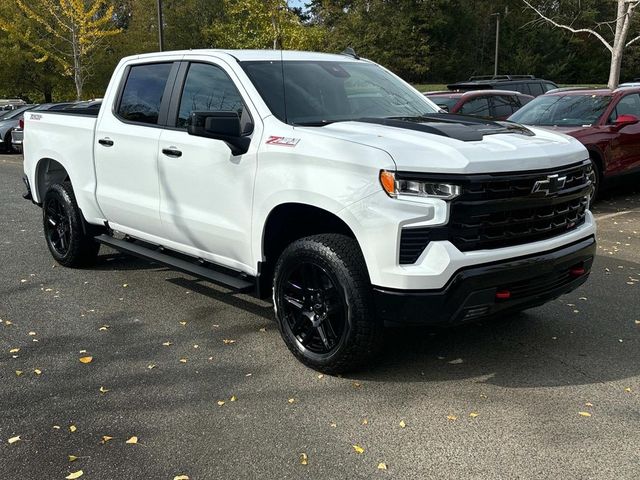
(61, 216)
(340, 260)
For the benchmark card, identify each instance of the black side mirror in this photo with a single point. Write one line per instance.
(223, 126)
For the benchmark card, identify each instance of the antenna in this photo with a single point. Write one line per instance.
(350, 52)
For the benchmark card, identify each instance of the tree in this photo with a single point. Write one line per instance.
(261, 24)
(619, 28)
(65, 31)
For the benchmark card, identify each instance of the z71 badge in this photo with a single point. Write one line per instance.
(282, 141)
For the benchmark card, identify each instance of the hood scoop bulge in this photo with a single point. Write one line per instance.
(458, 127)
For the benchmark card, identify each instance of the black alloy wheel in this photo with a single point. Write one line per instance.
(324, 304)
(57, 226)
(314, 309)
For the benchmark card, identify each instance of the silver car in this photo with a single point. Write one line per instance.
(8, 123)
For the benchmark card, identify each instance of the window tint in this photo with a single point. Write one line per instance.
(628, 105)
(504, 105)
(477, 106)
(536, 89)
(142, 94)
(208, 89)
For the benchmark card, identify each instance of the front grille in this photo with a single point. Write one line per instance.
(502, 210)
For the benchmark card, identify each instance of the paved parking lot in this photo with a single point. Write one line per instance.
(552, 393)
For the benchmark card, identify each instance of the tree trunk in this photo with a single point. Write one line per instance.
(614, 70)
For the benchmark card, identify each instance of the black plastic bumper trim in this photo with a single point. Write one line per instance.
(471, 292)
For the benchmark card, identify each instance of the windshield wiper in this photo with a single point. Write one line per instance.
(316, 123)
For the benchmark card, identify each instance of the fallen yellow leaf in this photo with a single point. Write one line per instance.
(14, 439)
(7, 322)
(588, 404)
(291, 400)
(402, 424)
(382, 466)
(333, 424)
(132, 440)
(18, 372)
(74, 475)
(584, 414)
(72, 458)
(320, 375)
(56, 427)
(105, 439)
(628, 390)
(228, 342)
(233, 398)
(103, 328)
(453, 418)
(166, 344)
(37, 371)
(86, 359)
(473, 414)
(183, 360)
(181, 477)
(151, 366)
(358, 449)
(32, 334)
(356, 385)
(103, 390)
(14, 350)
(183, 323)
(72, 428)
(304, 460)
(365, 421)
(220, 403)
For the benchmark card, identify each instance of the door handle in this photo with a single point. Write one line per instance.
(107, 142)
(172, 152)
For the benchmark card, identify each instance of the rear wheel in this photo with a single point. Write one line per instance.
(62, 222)
(8, 148)
(323, 302)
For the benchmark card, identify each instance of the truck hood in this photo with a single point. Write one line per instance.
(482, 147)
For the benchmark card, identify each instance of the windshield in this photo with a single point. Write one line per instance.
(563, 110)
(17, 112)
(322, 92)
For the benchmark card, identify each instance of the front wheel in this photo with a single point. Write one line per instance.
(596, 179)
(323, 302)
(62, 221)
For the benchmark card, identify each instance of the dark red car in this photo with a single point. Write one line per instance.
(605, 121)
(494, 104)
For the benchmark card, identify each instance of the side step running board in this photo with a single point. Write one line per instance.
(195, 269)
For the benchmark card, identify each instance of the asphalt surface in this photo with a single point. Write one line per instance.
(527, 378)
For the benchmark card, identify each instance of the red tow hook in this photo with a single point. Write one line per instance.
(503, 295)
(577, 271)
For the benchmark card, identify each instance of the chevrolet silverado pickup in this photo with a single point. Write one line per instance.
(323, 181)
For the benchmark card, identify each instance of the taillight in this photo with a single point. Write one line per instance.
(21, 123)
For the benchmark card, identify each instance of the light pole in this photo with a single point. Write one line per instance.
(160, 27)
(495, 63)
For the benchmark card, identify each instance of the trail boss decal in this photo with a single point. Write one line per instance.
(282, 141)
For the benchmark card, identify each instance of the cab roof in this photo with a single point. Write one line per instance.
(258, 55)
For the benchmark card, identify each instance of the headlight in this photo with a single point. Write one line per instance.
(417, 188)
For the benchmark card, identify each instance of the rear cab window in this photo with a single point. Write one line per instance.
(504, 105)
(143, 92)
(478, 106)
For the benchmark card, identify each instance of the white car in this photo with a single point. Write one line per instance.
(321, 180)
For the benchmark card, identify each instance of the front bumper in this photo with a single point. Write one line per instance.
(471, 293)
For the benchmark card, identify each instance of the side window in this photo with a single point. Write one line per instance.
(208, 88)
(548, 86)
(142, 93)
(628, 105)
(476, 106)
(504, 105)
(536, 89)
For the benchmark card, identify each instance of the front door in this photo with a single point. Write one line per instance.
(625, 147)
(206, 193)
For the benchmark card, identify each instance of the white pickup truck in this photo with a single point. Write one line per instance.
(322, 180)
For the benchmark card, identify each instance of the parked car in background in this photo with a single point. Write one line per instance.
(527, 84)
(11, 103)
(8, 123)
(494, 104)
(605, 121)
(17, 133)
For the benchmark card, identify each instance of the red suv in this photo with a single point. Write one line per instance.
(605, 121)
(494, 104)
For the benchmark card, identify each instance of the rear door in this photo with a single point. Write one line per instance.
(126, 148)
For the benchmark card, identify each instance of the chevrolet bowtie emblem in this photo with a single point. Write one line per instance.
(551, 185)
